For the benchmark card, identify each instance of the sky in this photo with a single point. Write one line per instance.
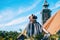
(14, 14)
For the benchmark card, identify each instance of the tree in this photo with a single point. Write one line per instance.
(39, 37)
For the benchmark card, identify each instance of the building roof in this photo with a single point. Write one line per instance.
(53, 24)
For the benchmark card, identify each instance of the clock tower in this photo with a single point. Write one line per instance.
(46, 13)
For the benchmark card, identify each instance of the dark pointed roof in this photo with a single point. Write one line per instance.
(46, 4)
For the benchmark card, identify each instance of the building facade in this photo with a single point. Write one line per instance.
(46, 13)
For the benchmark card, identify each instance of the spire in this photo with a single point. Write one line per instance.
(46, 12)
(45, 4)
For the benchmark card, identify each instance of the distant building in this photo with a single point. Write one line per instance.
(46, 13)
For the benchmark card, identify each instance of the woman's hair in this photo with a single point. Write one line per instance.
(33, 16)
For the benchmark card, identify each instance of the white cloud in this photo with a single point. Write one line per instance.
(18, 20)
(8, 14)
(21, 10)
(1, 16)
(15, 21)
(56, 5)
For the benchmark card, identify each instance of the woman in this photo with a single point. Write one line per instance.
(33, 28)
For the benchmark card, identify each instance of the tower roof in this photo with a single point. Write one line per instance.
(46, 4)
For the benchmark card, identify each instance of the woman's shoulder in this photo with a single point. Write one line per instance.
(37, 22)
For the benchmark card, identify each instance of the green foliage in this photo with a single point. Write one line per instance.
(54, 37)
(39, 37)
(8, 35)
(4, 35)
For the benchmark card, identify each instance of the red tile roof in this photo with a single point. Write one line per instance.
(53, 24)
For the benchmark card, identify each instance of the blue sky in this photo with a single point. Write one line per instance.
(14, 13)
